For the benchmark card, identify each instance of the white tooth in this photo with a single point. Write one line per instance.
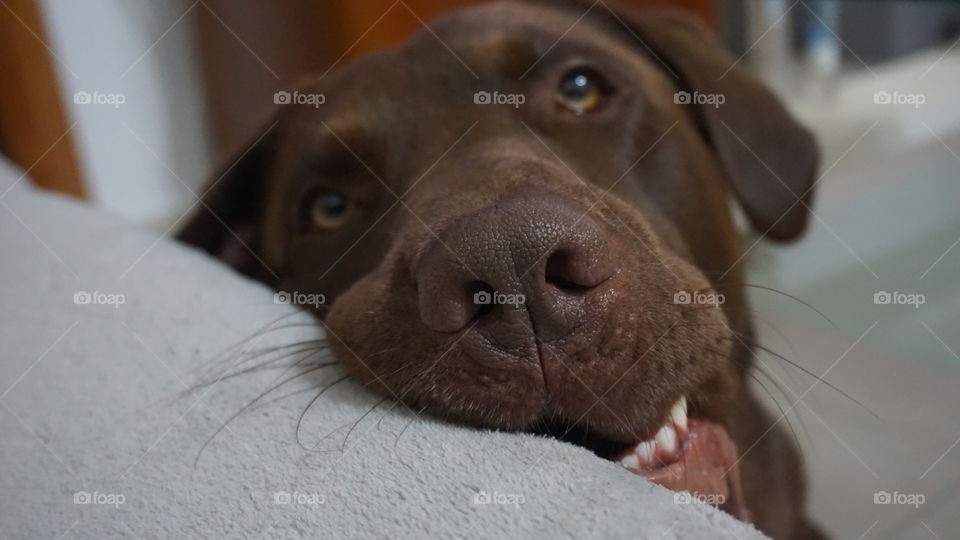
(630, 461)
(679, 413)
(645, 451)
(667, 439)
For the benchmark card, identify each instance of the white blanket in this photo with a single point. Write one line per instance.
(107, 336)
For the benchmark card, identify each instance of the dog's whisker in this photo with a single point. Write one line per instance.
(225, 376)
(265, 366)
(757, 316)
(285, 396)
(343, 445)
(285, 368)
(247, 356)
(753, 375)
(742, 284)
(392, 406)
(784, 414)
(247, 407)
(751, 343)
(310, 404)
(396, 443)
(779, 356)
(268, 359)
(266, 351)
(792, 297)
(421, 377)
(269, 327)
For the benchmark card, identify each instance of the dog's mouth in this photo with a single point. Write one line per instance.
(589, 303)
(693, 456)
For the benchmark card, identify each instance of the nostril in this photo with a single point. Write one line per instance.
(578, 269)
(490, 268)
(481, 298)
(561, 273)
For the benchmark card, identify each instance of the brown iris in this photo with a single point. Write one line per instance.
(326, 210)
(581, 90)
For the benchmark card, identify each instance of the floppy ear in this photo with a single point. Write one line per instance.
(227, 220)
(769, 158)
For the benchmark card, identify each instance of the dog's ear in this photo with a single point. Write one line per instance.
(226, 221)
(770, 159)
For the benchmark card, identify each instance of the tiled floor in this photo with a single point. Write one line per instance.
(904, 439)
(886, 219)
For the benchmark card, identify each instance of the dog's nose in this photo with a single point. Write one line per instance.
(539, 254)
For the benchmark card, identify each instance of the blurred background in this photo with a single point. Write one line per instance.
(130, 104)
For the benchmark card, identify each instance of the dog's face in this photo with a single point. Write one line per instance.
(521, 259)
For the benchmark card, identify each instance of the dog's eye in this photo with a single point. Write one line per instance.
(582, 90)
(325, 210)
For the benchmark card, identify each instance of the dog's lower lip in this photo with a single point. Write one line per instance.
(695, 456)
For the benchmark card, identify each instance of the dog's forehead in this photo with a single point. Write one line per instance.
(505, 40)
(509, 34)
(433, 77)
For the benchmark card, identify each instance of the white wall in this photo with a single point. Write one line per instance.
(136, 49)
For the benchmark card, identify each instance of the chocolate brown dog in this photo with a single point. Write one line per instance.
(523, 219)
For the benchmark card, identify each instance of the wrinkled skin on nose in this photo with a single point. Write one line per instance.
(530, 264)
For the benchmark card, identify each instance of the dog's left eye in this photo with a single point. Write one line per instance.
(582, 90)
(325, 210)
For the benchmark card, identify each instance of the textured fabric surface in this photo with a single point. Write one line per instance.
(123, 354)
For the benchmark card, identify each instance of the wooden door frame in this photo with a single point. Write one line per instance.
(35, 132)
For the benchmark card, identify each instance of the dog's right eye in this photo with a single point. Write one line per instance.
(582, 90)
(325, 210)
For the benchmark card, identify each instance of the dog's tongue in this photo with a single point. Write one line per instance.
(705, 466)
